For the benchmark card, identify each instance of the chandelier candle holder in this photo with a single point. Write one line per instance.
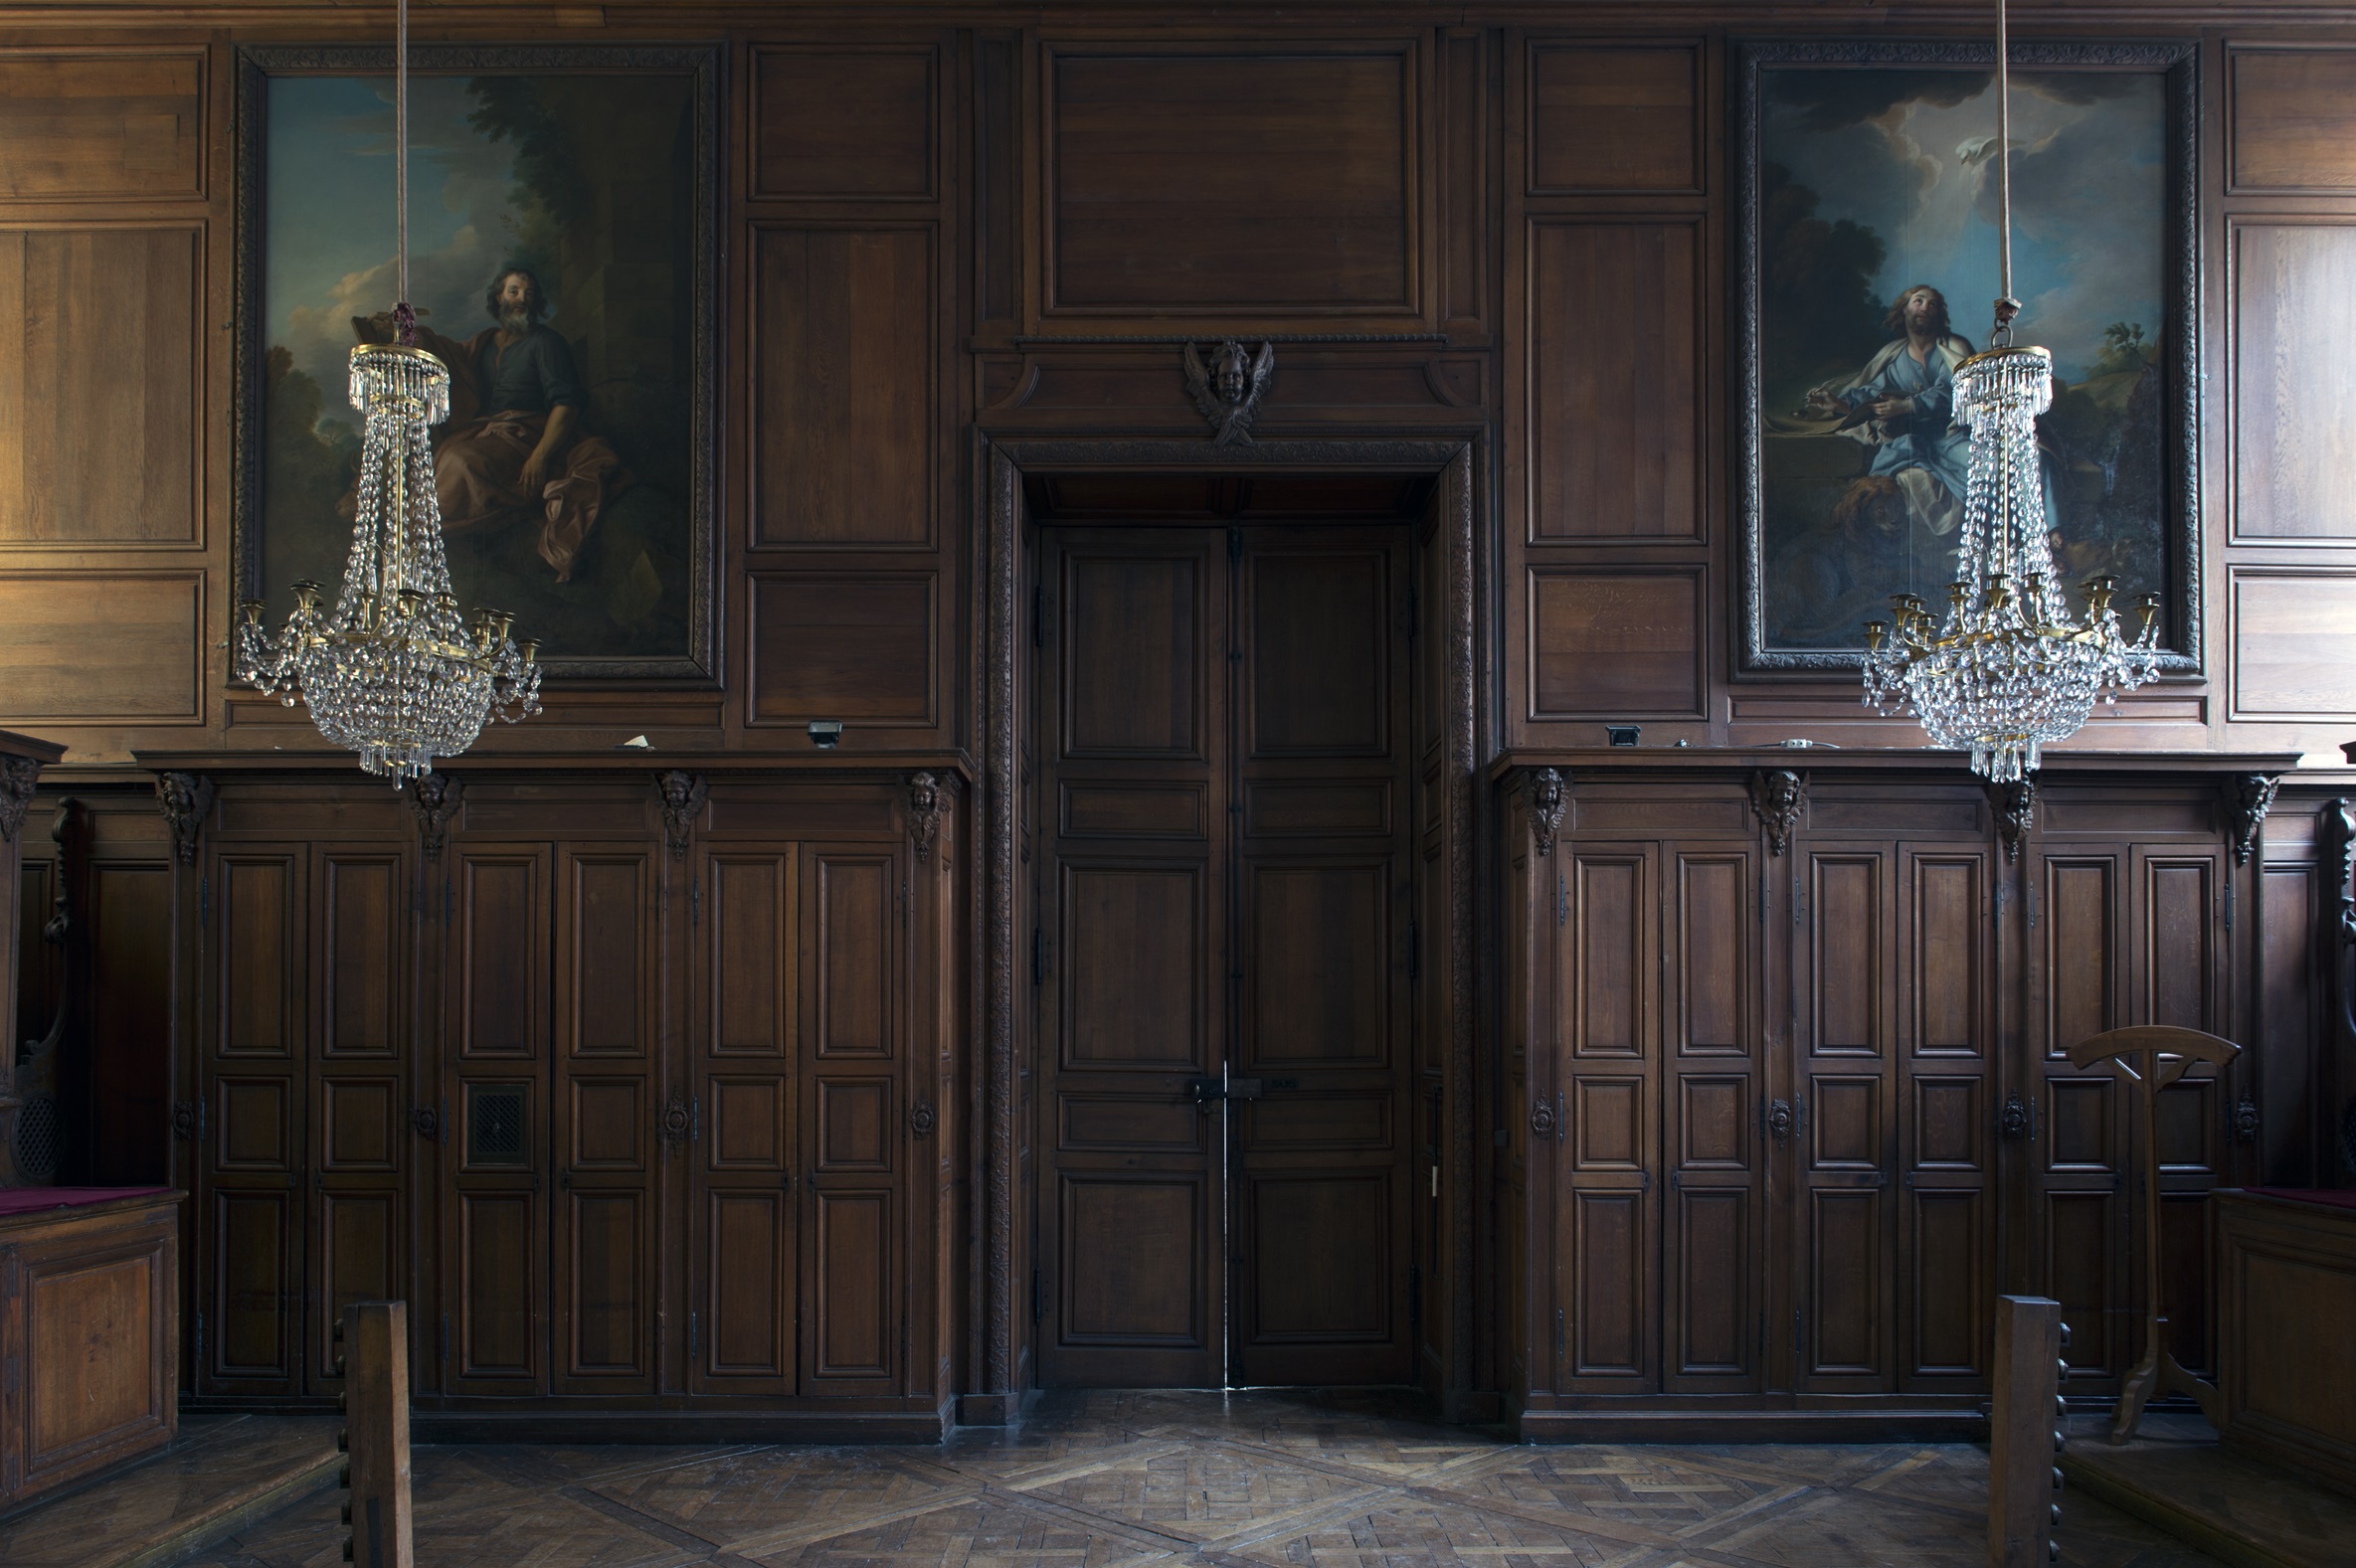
(391, 672)
(2006, 669)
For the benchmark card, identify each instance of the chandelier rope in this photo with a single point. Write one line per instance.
(391, 672)
(2006, 669)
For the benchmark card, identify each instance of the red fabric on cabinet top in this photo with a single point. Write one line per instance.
(24, 1200)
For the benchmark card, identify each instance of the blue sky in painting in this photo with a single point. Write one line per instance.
(2088, 192)
(330, 232)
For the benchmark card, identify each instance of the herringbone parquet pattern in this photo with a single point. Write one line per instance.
(1291, 1479)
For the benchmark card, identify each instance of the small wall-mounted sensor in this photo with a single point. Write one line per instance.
(824, 732)
(1622, 734)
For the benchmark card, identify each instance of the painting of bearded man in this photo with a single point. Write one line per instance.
(518, 439)
(559, 252)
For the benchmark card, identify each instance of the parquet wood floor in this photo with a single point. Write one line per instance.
(1261, 1479)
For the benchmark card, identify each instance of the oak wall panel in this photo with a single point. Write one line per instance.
(1219, 181)
(2294, 410)
(843, 121)
(66, 660)
(2294, 643)
(844, 389)
(1616, 376)
(1614, 118)
(1614, 643)
(97, 387)
(858, 647)
(2293, 120)
(115, 126)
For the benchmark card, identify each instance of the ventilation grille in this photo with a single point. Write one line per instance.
(494, 1125)
(37, 1141)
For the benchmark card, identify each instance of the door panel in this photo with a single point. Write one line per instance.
(853, 1125)
(1711, 1128)
(248, 1336)
(499, 973)
(602, 1271)
(1128, 953)
(742, 1147)
(360, 952)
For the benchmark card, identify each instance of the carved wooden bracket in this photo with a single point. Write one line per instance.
(2335, 834)
(1778, 796)
(185, 798)
(920, 1118)
(433, 801)
(2016, 806)
(925, 810)
(2249, 797)
(682, 801)
(17, 774)
(1550, 795)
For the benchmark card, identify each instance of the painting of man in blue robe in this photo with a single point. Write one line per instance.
(1877, 270)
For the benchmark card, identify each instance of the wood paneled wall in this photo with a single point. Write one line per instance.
(1520, 231)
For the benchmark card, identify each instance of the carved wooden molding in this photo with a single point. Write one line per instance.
(921, 1119)
(1227, 390)
(1778, 796)
(433, 801)
(925, 811)
(2016, 806)
(185, 798)
(682, 801)
(2249, 797)
(17, 776)
(1548, 798)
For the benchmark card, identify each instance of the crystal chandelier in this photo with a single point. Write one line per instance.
(391, 671)
(2006, 669)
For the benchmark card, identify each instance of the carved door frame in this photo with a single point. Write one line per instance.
(998, 1316)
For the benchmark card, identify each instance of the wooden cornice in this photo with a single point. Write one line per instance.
(1589, 763)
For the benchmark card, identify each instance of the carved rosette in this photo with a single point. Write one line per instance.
(1541, 1119)
(1778, 796)
(925, 810)
(683, 802)
(677, 1121)
(2016, 805)
(1549, 795)
(433, 801)
(185, 798)
(2246, 1119)
(2249, 797)
(17, 774)
(184, 1121)
(921, 1119)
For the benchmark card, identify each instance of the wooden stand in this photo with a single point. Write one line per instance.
(375, 1337)
(2151, 1057)
(2024, 1432)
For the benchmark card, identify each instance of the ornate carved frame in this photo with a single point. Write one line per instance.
(1459, 462)
(257, 64)
(2178, 65)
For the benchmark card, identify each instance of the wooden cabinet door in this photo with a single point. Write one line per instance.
(1948, 1078)
(1845, 1055)
(1319, 1121)
(496, 987)
(1606, 1330)
(2080, 936)
(253, 1124)
(361, 1086)
(1711, 1135)
(607, 1022)
(1131, 956)
(742, 1142)
(852, 1126)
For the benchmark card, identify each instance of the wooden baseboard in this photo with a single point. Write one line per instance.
(1752, 1426)
(676, 1426)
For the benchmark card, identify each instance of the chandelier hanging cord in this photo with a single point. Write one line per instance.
(404, 317)
(2007, 307)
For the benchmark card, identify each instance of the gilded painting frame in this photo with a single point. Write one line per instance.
(677, 497)
(1772, 641)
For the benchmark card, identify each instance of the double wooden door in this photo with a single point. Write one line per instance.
(1223, 956)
